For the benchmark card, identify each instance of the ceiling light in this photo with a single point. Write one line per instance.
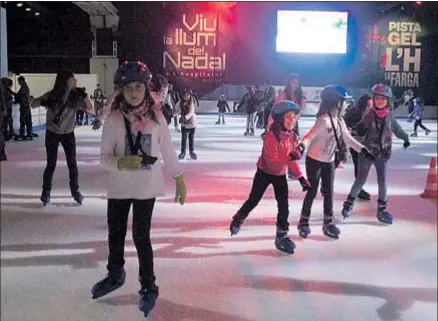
(28, 9)
(19, 4)
(37, 13)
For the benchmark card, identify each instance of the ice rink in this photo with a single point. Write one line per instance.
(51, 257)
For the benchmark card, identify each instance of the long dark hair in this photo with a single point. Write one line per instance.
(150, 102)
(59, 89)
(325, 107)
(185, 104)
(298, 92)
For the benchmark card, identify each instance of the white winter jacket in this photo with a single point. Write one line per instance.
(148, 182)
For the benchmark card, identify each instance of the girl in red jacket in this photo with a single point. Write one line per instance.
(279, 153)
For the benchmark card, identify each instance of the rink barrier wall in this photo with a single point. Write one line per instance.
(209, 108)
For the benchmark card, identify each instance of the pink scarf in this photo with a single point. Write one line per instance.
(137, 116)
(381, 113)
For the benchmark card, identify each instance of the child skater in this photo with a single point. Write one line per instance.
(417, 114)
(377, 127)
(279, 152)
(134, 134)
(328, 134)
(186, 108)
(221, 105)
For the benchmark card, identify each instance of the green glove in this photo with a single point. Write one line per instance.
(129, 163)
(181, 191)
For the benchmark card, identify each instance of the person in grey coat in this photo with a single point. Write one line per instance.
(377, 128)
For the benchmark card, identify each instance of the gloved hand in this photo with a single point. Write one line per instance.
(406, 144)
(181, 191)
(129, 163)
(295, 155)
(148, 159)
(81, 93)
(301, 148)
(304, 183)
(367, 154)
(97, 124)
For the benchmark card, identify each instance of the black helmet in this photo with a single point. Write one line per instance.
(334, 94)
(382, 90)
(282, 108)
(131, 71)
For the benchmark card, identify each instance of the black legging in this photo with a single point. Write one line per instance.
(317, 171)
(68, 142)
(419, 122)
(281, 190)
(117, 218)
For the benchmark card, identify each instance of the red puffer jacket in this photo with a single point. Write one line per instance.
(275, 157)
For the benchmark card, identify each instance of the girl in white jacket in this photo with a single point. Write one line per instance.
(186, 108)
(134, 135)
(325, 137)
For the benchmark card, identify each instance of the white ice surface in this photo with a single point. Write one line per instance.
(50, 257)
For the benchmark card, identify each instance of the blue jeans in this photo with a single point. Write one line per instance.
(364, 166)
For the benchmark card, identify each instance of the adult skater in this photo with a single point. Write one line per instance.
(327, 134)
(62, 103)
(294, 92)
(279, 152)
(377, 127)
(135, 133)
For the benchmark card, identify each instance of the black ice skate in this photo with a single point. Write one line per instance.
(252, 132)
(364, 195)
(414, 134)
(235, 225)
(283, 243)
(427, 132)
(45, 197)
(77, 196)
(113, 281)
(182, 155)
(347, 208)
(218, 122)
(304, 230)
(382, 215)
(193, 156)
(330, 230)
(246, 133)
(148, 297)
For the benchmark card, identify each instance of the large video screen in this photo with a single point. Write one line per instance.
(312, 32)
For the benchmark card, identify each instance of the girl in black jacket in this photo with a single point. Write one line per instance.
(221, 105)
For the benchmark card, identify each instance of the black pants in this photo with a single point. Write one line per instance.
(2, 137)
(281, 190)
(317, 171)
(68, 142)
(419, 122)
(260, 119)
(191, 134)
(8, 126)
(266, 113)
(80, 117)
(117, 218)
(25, 121)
